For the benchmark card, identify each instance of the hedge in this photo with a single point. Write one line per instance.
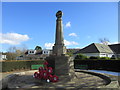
(111, 65)
(19, 64)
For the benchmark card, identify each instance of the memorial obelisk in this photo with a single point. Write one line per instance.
(59, 48)
(59, 61)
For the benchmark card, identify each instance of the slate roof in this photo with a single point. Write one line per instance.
(115, 48)
(95, 48)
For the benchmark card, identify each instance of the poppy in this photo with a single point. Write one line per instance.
(41, 69)
(40, 75)
(54, 78)
(45, 74)
(46, 63)
(36, 75)
(50, 70)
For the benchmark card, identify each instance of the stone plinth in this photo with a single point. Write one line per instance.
(60, 64)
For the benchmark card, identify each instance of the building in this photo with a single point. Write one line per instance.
(96, 49)
(3, 56)
(35, 54)
(116, 49)
(32, 51)
(47, 51)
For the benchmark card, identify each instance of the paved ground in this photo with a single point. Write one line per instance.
(82, 80)
(4, 74)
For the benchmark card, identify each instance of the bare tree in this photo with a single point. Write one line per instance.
(12, 49)
(13, 52)
(104, 41)
(23, 48)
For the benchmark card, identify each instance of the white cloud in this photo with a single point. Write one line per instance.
(109, 43)
(73, 34)
(49, 45)
(13, 38)
(116, 42)
(68, 24)
(77, 47)
(69, 43)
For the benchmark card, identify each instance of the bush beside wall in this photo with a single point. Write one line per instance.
(83, 57)
(19, 65)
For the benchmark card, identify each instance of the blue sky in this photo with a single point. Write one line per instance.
(34, 23)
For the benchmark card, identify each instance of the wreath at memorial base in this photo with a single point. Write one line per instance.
(46, 73)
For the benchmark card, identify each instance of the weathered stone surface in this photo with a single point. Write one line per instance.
(59, 48)
(63, 65)
(60, 64)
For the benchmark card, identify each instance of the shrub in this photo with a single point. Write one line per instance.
(105, 58)
(112, 58)
(69, 53)
(81, 57)
(118, 58)
(93, 57)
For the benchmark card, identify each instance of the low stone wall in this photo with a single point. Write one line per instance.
(106, 78)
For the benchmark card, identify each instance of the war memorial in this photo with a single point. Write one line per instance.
(63, 67)
(59, 60)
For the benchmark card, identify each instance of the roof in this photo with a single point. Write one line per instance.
(46, 50)
(72, 50)
(115, 48)
(102, 48)
(96, 48)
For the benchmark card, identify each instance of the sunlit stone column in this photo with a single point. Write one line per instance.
(59, 48)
